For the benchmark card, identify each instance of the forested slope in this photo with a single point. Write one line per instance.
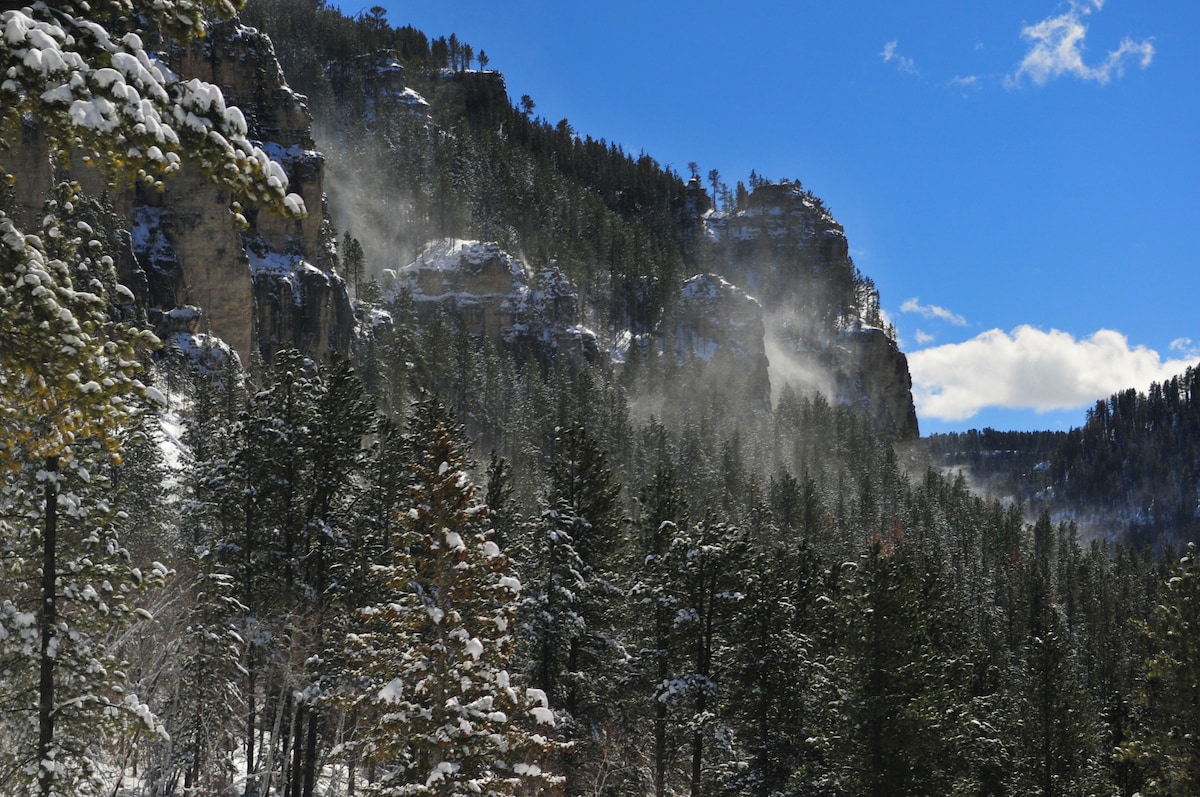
(1135, 462)
(429, 566)
(1130, 472)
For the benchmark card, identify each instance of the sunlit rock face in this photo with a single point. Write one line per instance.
(281, 268)
(268, 287)
(785, 248)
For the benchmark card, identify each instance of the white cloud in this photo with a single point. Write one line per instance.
(903, 63)
(924, 338)
(1057, 45)
(1185, 347)
(1032, 369)
(966, 84)
(932, 311)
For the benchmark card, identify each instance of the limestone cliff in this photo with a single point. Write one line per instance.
(873, 373)
(268, 287)
(272, 286)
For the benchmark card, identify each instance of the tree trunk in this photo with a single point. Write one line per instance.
(49, 619)
(248, 520)
(251, 710)
(352, 764)
(660, 716)
(572, 683)
(296, 778)
(707, 607)
(310, 755)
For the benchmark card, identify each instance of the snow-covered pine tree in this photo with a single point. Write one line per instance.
(205, 706)
(700, 575)
(655, 604)
(69, 390)
(570, 612)
(426, 668)
(890, 732)
(585, 516)
(778, 684)
(1057, 745)
(283, 497)
(342, 416)
(554, 589)
(79, 72)
(202, 700)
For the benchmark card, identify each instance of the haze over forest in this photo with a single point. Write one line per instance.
(1016, 179)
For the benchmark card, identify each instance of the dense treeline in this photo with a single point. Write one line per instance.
(772, 607)
(1130, 472)
(1000, 463)
(1136, 458)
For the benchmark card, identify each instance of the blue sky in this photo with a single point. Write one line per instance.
(1020, 179)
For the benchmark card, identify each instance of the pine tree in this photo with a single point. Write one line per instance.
(572, 605)
(353, 261)
(426, 669)
(1164, 745)
(79, 74)
(706, 560)
(202, 715)
(779, 683)
(889, 732)
(584, 499)
(1059, 740)
(70, 389)
(654, 605)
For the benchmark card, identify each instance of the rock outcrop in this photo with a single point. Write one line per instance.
(785, 248)
(718, 323)
(873, 373)
(822, 316)
(281, 268)
(497, 296)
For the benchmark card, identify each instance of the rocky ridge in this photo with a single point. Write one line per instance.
(776, 271)
(776, 275)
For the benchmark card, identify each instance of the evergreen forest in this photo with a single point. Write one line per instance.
(433, 564)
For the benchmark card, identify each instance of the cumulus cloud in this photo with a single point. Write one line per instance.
(1030, 368)
(924, 338)
(903, 63)
(1056, 46)
(932, 311)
